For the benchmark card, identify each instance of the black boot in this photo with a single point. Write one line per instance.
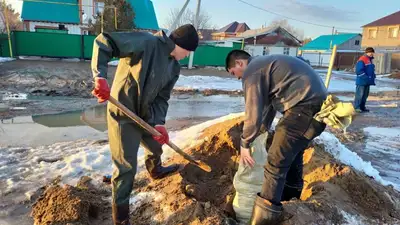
(265, 213)
(120, 214)
(290, 192)
(157, 171)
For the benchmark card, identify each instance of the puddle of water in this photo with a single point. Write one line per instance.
(91, 123)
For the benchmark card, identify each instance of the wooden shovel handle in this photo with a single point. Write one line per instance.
(154, 132)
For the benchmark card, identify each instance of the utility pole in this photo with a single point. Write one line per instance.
(196, 25)
(333, 32)
(8, 28)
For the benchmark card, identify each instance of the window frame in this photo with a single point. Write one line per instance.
(389, 34)
(376, 34)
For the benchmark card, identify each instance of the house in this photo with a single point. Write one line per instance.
(206, 34)
(270, 40)
(58, 16)
(343, 41)
(383, 34)
(319, 51)
(231, 30)
(72, 16)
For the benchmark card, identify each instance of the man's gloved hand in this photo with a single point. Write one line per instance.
(101, 89)
(245, 157)
(164, 137)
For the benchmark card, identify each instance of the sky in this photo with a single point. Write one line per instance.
(350, 14)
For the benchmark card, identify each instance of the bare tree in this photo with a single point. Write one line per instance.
(299, 34)
(14, 21)
(189, 16)
(307, 40)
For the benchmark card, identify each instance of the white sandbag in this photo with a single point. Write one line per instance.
(248, 181)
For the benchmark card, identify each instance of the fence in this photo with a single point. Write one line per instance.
(343, 60)
(81, 46)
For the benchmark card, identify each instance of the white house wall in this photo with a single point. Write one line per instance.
(254, 50)
(259, 49)
(293, 51)
(72, 28)
(351, 44)
(87, 8)
(317, 58)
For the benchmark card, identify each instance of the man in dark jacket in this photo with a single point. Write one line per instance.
(146, 74)
(290, 86)
(365, 70)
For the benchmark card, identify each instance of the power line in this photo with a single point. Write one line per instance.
(290, 18)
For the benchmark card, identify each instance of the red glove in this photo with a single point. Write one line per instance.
(101, 89)
(164, 137)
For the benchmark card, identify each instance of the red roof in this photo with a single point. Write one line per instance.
(234, 27)
(392, 19)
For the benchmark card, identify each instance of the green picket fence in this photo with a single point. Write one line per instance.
(60, 45)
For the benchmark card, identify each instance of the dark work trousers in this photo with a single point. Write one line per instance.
(361, 96)
(125, 138)
(293, 133)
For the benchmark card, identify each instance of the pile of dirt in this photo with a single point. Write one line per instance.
(81, 205)
(333, 193)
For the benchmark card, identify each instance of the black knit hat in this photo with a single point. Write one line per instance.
(185, 37)
(369, 49)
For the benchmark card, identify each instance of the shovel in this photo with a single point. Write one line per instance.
(154, 132)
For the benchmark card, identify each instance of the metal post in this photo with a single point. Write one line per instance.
(328, 75)
(242, 48)
(8, 29)
(178, 18)
(102, 22)
(115, 18)
(196, 25)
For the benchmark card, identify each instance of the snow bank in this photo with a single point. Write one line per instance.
(344, 155)
(6, 59)
(26, 169)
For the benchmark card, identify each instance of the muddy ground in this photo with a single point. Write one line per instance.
(332, 193)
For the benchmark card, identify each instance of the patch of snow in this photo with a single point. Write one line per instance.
(208, 82)
(113, 63)
(383, 146)
(24, 169)
(14, 96)
(18, 108)
(337, 84)
(141, 198)
(344, 155)
(6, 59)
(345, 98)
(352, 219)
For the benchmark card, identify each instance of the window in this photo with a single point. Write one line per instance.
(286, 51)
(372, 33)
(393, 32)
(357, 42)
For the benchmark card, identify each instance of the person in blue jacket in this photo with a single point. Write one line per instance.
(365, 70)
